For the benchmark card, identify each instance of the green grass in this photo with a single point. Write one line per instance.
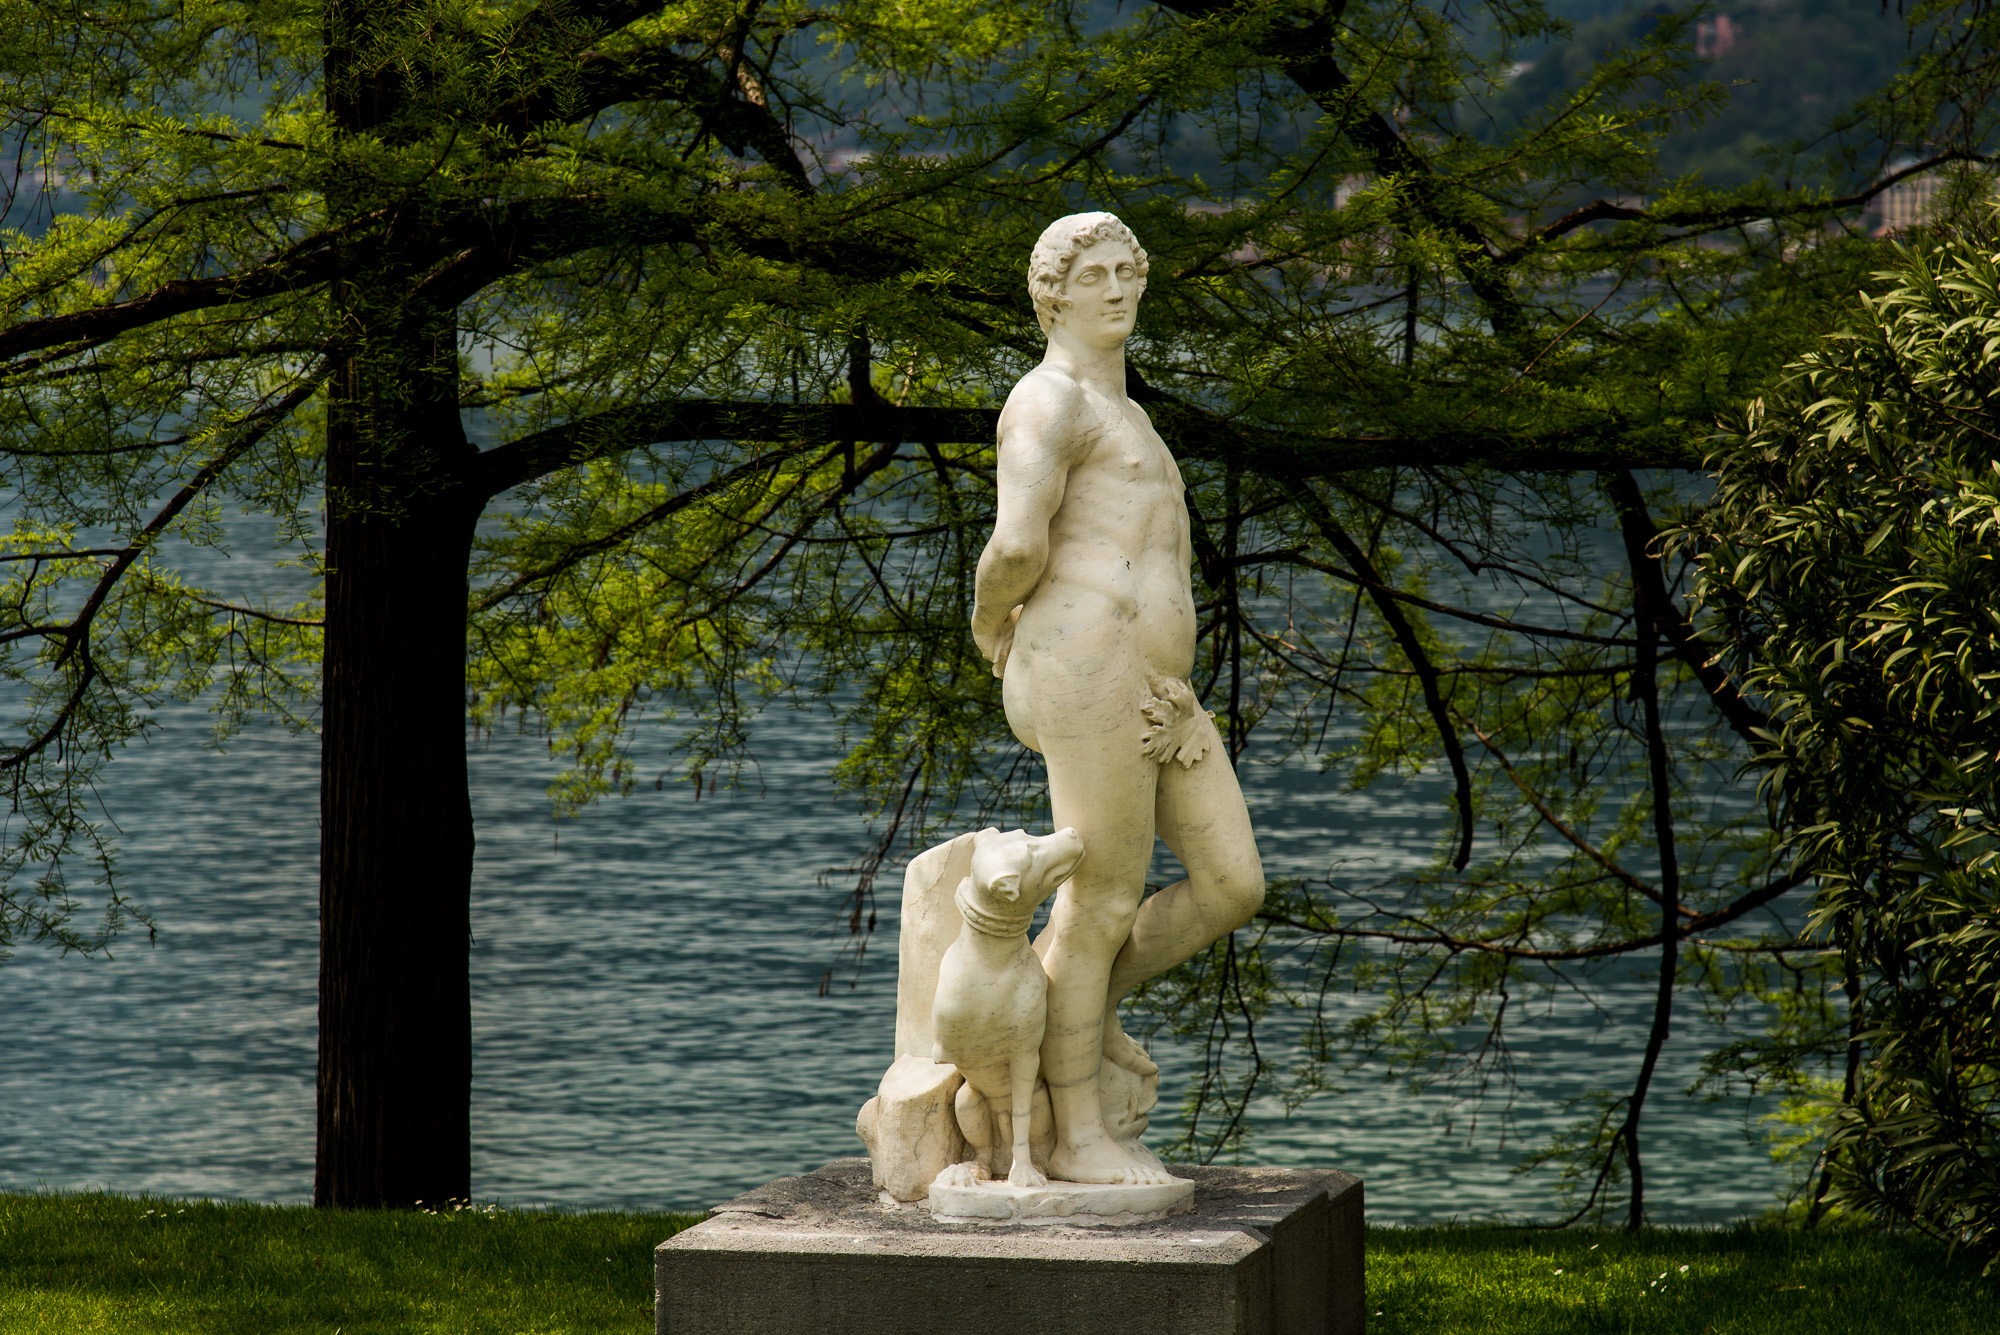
(75, 1264)
(114, 1263)
(1671, 1281)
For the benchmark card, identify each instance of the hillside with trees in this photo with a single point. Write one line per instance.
(1794, 72)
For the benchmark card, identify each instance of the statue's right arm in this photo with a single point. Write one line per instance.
(1039, 439)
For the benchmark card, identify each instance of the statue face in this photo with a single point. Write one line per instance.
(1103, 290)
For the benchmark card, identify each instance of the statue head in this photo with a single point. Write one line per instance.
(1054, 257)
(1014, 871)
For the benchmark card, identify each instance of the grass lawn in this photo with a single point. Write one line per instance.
(1671, 1281)
(75, 1264)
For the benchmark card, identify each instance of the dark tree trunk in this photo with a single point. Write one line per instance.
(395, 1019)
(395, 1048)
(1652, 615)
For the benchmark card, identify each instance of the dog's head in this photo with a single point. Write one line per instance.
(1013, 871)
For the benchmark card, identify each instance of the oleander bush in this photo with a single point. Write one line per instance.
(1851, 561)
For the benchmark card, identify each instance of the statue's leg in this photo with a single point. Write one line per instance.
(1022, 1109)
(1203, 819)
(1101, 783)
(976, 1123)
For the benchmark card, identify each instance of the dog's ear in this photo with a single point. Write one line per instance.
(1007, 885)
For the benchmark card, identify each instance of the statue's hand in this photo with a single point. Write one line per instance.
(1003, 642)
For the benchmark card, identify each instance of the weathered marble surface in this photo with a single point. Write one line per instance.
(1084, 604)
(992, 998)
(913, 1127)
(967, 1200)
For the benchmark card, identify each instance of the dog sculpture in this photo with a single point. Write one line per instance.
(992, 996)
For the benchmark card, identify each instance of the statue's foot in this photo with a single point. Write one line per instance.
(1025, 1174)
(1106, 1161)
(964, 1174)
(1145, 1156)
(1122, 1048)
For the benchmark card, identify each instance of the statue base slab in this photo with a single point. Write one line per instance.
(1079, 1203)
(1262, 1251)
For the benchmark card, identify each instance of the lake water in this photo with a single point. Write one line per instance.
(647, 1026)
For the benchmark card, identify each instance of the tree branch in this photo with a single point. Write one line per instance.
(659, 74)
(1413, 649)
(1636, 526)
(1747, 903)
(1604, 210)
(1198, 433)
(803, 425)
(1197, 436)
(1376, 587)
(1659, 771)
(292, 273)
(76, 634)
(253, 613)
(673, 505)
(1556, 823)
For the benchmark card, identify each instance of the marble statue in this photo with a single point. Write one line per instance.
(992, 996)
(1084, 605)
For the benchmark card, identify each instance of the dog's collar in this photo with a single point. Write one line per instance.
(988, 924)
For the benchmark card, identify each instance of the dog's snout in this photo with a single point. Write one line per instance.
(1065, 848)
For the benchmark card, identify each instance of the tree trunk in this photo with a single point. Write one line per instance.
(395, 1048)
(395, 1013)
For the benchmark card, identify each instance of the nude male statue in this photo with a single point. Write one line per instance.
(1084, 605)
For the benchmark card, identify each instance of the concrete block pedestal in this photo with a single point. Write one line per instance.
(1265, 1251)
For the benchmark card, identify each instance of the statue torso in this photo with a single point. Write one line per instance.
(1116, 586)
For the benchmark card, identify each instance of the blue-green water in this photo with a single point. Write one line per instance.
(647, 1025)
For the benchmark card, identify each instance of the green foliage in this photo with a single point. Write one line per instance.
(1850, 558)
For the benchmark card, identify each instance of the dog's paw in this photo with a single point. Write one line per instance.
(964, 1174)
(1025, 1174)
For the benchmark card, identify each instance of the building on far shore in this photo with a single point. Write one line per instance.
(1713, 37)
(1921, 200)
(1907, 204)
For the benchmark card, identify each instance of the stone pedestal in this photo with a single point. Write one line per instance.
(1264, 1251)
